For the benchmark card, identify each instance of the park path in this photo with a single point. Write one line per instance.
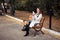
(9, 30)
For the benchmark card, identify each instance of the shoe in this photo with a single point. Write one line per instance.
(23, 30)
(26, 34)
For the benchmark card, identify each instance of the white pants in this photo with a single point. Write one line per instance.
(32, 23)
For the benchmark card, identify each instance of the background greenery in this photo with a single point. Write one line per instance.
(31, 5)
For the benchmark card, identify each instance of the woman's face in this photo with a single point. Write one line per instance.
(38, 10)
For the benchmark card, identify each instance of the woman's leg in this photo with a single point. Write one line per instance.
(27, 29)
(31, 24)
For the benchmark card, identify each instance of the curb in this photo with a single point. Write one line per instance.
(51, 32)
(14, 18)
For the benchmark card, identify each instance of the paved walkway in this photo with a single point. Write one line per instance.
(9, 30)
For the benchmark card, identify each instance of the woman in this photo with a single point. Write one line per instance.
(36, 17)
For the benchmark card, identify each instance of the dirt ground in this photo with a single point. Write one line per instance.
(24, 15)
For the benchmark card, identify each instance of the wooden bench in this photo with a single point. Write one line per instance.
(38, 28)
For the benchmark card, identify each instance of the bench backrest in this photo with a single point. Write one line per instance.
(41, 22)
(40, 25)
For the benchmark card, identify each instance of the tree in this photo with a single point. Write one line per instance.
(49, 11)
(56, 8)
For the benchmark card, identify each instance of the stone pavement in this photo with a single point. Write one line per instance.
(9, 30)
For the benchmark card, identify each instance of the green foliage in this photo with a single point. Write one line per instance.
(31, 5)
(56, 8)
(28, 5)
(0, 1)
(20, 4)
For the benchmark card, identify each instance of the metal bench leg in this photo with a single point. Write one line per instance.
(35, 32)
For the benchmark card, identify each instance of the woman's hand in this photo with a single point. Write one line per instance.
(33, 13)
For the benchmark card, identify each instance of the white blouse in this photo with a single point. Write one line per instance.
(35, 18)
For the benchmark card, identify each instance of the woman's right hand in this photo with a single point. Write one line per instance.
(33, 12)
